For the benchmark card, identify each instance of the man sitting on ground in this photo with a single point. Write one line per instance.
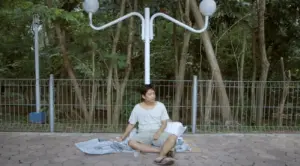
(152, 118)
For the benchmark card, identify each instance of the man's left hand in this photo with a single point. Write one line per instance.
(156, 135)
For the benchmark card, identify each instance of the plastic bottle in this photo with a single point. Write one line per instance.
(136, 154)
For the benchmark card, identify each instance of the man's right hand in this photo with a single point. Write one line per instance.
(127, 131)
(120, 139)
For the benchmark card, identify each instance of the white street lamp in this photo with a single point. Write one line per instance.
(207, 8)
(38, 116)
(36, 27)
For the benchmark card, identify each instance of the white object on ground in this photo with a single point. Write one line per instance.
(175, 128)
(136, 153)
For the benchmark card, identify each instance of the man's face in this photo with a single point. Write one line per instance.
(149, 96)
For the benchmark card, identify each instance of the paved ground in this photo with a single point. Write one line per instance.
(33, 149)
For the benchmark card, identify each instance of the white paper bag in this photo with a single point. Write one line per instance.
(175, 128)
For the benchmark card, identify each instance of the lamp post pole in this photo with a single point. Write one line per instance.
(147, 46)
(36, 26)
(207, 8)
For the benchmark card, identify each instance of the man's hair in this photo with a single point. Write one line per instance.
(145, 89)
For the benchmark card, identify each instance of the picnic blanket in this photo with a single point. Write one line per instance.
(104, 146)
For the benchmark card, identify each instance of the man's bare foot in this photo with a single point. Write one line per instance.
(171, 153)
(164, 161)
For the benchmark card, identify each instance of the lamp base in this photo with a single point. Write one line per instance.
(37, 117)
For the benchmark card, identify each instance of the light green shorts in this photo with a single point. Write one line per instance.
(146, 137)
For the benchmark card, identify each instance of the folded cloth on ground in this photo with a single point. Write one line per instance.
(97, 146)
(101, 146)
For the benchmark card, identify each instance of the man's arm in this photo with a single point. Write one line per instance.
(132, 121)
(164, 120)
(163, 126)
(127, 131)
(161, 129)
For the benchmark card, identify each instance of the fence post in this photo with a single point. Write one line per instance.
(51, 102)
(194, 104)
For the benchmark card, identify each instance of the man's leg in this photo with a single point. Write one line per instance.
(166, 142)
(142, 142)
(168, 145)
(143, 147)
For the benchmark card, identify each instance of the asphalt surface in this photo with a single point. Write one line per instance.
(46, 149)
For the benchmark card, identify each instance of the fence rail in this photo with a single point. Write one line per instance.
(86, 107)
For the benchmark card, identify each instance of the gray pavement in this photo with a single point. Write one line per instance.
(44, 149)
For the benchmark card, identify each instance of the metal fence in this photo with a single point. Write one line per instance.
(86, 107)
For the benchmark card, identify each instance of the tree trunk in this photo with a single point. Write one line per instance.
(68, 67)
(94, 92)
(241, 78)
(180, 76)
(201, 96)
(285, 91)
(112, 65)
(109, 94)
(254, 69)
(208, 101)
(264, 61)
(253, 82)
(182, 65)
(223, 98)
(175, 43)
(120, 89)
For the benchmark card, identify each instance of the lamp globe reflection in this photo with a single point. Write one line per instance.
(91, 6)
(208, 7)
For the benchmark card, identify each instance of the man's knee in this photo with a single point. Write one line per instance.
(172, 138)
(132, 143)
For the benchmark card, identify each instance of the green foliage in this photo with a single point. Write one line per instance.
(131, 98)
(231, 21)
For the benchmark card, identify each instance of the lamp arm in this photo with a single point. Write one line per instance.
(117, 21)
(187, 27)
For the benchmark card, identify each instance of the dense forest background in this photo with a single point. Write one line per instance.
(248, 43)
